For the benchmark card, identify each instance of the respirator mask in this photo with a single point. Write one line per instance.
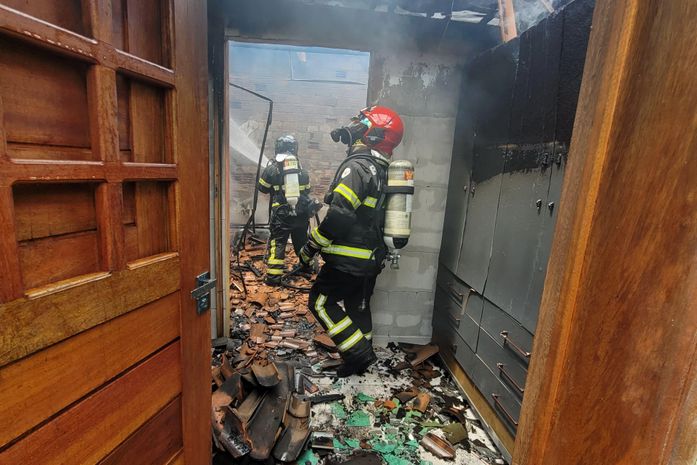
(353, 132)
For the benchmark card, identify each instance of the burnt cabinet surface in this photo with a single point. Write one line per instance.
(458, 192)
(514, 127)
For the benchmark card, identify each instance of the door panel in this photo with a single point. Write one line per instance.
(103, 168)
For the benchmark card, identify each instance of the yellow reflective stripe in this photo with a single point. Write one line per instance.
(319, 238)
(368, 336)
(351, 196)
(272, 250)
(264, 183)
(275, 204)
(340, 326)
(274, 271)
(370, 202)
(351, 341)
(346, 251)
(304, 187)
(275, 261)
(322, 312)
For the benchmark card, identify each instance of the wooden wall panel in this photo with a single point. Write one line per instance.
(147, 116)
(43, 210)
(152, 218)
(44, 97)
(88, 431)
(37, 387)
(52, 259)
(157, 442)
(64, 13)
(118, 18)
(147, 219)
(31, 324)
(123, 92)
(145, 21)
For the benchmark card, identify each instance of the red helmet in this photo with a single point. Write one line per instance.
(385, 130)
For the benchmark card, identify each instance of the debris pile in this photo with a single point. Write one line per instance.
(276, 400)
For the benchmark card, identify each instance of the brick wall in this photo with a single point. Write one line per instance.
(308, 110)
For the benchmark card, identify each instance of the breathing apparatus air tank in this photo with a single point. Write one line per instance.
(399, 196)
(291, 182)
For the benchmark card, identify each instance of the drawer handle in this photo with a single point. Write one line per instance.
(507, 341)
(509, 379)
(500, 406)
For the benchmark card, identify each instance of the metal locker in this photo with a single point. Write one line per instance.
(549, 217)
(481, 216)
(517, 234)
(456, 206)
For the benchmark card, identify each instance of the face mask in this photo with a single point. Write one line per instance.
(351, 133)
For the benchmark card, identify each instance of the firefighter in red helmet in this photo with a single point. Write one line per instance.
(350, 238)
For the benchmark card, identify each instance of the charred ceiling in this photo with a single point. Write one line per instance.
(365, 24)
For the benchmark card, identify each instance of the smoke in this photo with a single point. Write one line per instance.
(530, 12)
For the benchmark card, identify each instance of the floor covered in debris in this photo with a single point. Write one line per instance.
(275, 398)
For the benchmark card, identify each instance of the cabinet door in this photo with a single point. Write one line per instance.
(490, 82)
(456, 207)
(525, 184)
(517, 233)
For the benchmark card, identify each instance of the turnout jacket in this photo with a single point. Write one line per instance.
(271, 182)
(351, 234)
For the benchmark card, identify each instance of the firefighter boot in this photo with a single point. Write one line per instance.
(357, 359)
(272, 280)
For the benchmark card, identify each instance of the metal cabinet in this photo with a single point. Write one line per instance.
(481, 216)
(519, 105)
(518, 231)
(458, 305)
(458, 192)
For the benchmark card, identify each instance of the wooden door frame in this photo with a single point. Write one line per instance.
(587, 372)
(191, 63)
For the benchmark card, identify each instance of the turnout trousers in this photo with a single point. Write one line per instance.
(350, 326)
(283, 226)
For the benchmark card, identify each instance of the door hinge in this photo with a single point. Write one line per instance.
(202, 293)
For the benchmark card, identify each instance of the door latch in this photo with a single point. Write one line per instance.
(202, 293)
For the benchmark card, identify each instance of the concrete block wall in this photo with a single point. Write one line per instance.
(424, 89)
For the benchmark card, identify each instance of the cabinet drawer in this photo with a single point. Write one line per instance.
(446, 307)
(502, 400)
(505, 365)
(456, 289)
(448, 339)
(506, 331)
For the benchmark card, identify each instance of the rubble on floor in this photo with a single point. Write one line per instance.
(275, 398)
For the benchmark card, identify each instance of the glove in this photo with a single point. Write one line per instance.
(308, 252)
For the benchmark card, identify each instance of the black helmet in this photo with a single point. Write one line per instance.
(287, 144)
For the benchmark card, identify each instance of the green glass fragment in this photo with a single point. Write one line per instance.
(383, 447)
(338, 411)
(352, 443)
(394, 460)
(308, 458)
(358, 418)
(364, 397)
(338, 445)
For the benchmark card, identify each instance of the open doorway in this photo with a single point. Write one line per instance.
(273, 91)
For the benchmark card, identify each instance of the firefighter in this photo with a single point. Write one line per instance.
(289, 186)
(350, 238)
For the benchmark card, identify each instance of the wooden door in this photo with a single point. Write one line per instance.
(103, 228)
(613, 378)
